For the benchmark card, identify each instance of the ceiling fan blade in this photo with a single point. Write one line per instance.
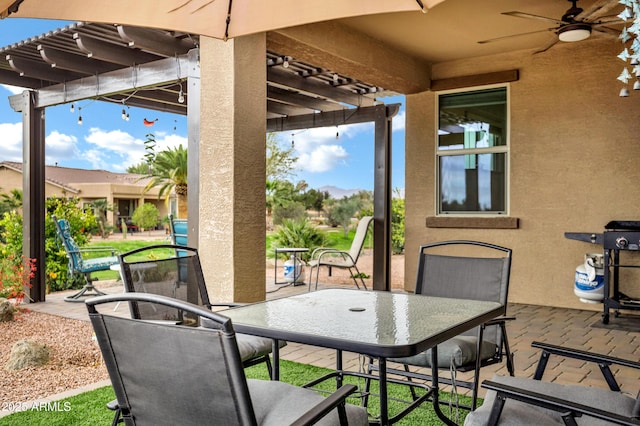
(599, 8)
(491, 40)
(547, 47)
(607, 20)
(532, 16)
(607, 32)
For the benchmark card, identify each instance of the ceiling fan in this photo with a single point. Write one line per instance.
(576, 24)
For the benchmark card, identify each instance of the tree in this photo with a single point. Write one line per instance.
(281, 162)
(140, 169)
(11, 201)
(146, 216)
(100, 208)
(342, 211)
(169, 172)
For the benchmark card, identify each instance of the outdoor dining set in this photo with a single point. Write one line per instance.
(180, 357)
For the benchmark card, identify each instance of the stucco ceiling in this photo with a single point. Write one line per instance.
(453, 28)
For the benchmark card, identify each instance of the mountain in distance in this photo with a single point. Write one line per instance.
(338, 193)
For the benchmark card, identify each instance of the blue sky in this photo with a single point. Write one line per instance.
(106, 141)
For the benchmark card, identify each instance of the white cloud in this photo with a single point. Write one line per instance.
(128, 149)
(320, 150)
(14, 90)
(165, 141)
(97, 159)
(60, 146)
(399, 121)
(322, 159)
(11, 146)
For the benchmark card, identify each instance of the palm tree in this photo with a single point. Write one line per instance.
(100, 208)
(169, 172)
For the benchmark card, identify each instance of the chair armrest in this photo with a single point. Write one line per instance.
(344, 254)
(584, 355)
(499, 320)
(317, 249)
(224, 305)
(105, 249)
(562, 406)
(319, 411)
(603, 361)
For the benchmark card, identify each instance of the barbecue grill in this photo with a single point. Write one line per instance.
(619, 236)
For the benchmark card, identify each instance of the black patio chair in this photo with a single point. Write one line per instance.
(175, 271)
(466, 270)
(523, 401)
(171, 373)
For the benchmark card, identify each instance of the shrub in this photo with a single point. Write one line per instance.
(397, 225)
(81, 222)
(291, 211)
(146, 216)
(299, 233)
(14, 278)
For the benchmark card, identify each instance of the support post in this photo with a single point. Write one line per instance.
(33, 181)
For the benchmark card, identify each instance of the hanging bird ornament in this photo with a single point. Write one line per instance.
(149, 123)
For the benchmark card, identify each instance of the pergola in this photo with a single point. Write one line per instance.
(159, 70)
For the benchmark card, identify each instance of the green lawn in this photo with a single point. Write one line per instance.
(334, 238)
(89, 408)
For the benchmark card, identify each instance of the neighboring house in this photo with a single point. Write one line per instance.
(124, 191)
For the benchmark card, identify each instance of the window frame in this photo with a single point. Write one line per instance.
(503, 149)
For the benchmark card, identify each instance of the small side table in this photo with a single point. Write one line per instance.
(296, 251)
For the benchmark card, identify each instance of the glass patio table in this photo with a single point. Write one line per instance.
(372, 323)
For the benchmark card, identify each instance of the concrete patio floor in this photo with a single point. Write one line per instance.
(575, 328)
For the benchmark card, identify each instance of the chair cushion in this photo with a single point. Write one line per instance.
(277, 404)
(252, 346)
(98, 264)
(519, 413)
(461, 350)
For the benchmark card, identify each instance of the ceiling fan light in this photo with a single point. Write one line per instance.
(574, 32)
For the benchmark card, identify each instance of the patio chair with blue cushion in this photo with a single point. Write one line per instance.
(178, 229)
(79, 264)
(172, 374)
(465, 270)
(523, 401)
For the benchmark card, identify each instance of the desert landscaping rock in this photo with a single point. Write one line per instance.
(26, 353)
(74, 357)
(7, 310)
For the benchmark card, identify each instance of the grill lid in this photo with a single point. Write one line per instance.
(631, 225)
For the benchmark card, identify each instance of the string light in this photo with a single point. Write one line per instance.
(79, 116)
(181, 95)
(72, 109)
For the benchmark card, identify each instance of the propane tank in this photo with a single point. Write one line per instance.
(589, 280)
(293, 271)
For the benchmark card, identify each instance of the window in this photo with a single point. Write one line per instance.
(472, 152)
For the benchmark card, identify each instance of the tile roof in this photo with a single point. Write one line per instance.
(67, 176)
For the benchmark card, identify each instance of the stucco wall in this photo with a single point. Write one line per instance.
(574, 165)
(13, 180)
